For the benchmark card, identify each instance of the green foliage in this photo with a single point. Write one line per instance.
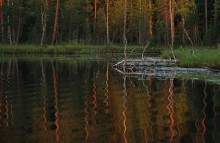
(202, 57)
(22, 22)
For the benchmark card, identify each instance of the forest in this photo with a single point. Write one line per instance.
(101, 22)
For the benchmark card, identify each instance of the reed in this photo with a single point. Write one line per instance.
(200, 57)
(71, 49)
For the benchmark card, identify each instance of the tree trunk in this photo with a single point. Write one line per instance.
(107, 22)
(95, 10)
(150, 19)
(9, 28)
(1, 20)
(124, 31)
(215, 15)
(172, 28)
(167, 29)
(94, 24)
(140, 23)
(44, 21)
(183, 35)
(55, 22)
(18, 31)
(206, 17)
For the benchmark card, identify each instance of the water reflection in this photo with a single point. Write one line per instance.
(86, 101)
(125, 109)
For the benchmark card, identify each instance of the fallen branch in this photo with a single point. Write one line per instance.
(144, 50)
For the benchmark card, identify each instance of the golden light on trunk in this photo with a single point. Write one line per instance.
(55, 22)
(150, 19)
(95, 9)
(107, 22)
(172, 29)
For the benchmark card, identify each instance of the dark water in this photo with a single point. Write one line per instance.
(79, 100)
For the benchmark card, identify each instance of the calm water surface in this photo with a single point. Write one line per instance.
(81, 99)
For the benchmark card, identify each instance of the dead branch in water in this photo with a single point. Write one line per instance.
(144, 50)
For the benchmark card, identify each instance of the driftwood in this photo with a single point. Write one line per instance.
(145, 62)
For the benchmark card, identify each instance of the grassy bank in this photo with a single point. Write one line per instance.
(202, 57)
(70, 49)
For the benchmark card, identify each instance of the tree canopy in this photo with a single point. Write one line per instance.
(102, 21)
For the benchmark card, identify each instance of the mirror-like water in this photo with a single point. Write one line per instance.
(77, 99)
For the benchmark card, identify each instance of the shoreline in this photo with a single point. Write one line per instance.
(201, 57)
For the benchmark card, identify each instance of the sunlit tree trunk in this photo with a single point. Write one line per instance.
(94, 23)
(107, 22)
(95, 10)
(44, 21)
(206, 16)
(124, 28)
(150, 19)
(167, 29)
(139, 28)
(172, 28)
(87, 26)
(55, 22)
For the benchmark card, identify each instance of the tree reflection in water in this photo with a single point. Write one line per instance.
(87, 101)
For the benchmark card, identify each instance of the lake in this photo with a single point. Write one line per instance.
(83, 99)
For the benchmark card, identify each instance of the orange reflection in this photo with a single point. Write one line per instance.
(56, 105)
(203, 111)
(106, 91)
(125, 109)
(87, 123)
(171, 110)
(94, 99)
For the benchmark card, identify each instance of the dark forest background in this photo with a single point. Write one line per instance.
(92, 21)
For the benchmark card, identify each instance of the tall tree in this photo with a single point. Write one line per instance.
(44, 13)
(150, 33)
(1, 19)
(172, 28)
(8, 22)
(94, 19)
(107, 22)
(55, 22)
(124, 27)
(183, 9)
(206, 16)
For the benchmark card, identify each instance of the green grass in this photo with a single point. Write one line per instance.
(70, 49)
(202, 57)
